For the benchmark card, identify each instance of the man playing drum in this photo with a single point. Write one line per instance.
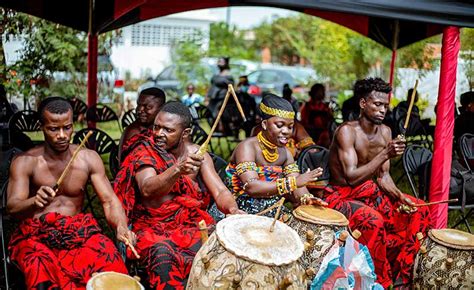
(361, 153)
(165, 188)
(262, 168)
(56, 246)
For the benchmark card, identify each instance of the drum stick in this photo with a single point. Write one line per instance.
(132, 248)
(204, 145)
(236, 99)
(272, 227)
(436, 202)
(74, 155)
(203, 230)
(412, 102)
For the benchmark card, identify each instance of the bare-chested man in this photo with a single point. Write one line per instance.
(160, 189)
(56, 246)
(362, 189)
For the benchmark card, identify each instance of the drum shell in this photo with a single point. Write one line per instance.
(223, 267)
(324, 236)
(431, 270)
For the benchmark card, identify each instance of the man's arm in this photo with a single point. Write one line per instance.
(221, 194)
(113, 209)
(345, 138)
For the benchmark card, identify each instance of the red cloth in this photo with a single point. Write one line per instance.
(62, 252)
(389, 235)
(315, 118)
(168, 236)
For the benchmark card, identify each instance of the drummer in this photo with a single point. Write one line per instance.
(166, 188)
(361, 153)
(262, 168)
(56, 246)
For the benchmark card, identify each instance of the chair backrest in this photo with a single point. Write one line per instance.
(417, 162)
(205, 114)
(114, 163)
(100, 141)
(101, 114)
(466, 145)
(25, 121)
(78, 107)
(128, 118)
(198, 134)
(313, 157)
(220, 165)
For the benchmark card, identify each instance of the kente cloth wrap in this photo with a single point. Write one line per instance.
(253, 205)
(62, 252)
(128, 145)
(390, 235)
(168, 236)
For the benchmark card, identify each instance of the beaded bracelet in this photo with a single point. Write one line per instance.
(243, 167)
(291, 168)
(281, 187)
(305, 198)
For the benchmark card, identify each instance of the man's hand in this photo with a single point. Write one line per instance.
(190, 163)
(44, 196)
(304, 178)
(235, 210)
(126, 236)
(395, 147)
(395, 193)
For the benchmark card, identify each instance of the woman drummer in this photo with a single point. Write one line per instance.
(262, 169)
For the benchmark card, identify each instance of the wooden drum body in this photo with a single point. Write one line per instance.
(445, 261)
(243, 254)
(316, 227)
(113, 280)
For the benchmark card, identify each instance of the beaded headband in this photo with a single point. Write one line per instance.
(277, 112)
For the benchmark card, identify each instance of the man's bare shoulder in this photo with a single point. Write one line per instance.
(347, 128)
(386, 131)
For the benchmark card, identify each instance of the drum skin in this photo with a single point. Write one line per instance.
(216, 268)
(444, 264)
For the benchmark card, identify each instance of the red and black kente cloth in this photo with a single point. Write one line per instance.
(390, 235)
(62, 252)
(168, 236)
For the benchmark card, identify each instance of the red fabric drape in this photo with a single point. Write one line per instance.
(92, 72)
(443, 138)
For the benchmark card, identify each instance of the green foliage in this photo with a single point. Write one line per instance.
(227, 40)
(419, 55)
(467, 54)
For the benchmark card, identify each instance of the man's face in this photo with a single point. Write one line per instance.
(57, 130)
(147, 108)
(375, 106)
(169, 131)
(278, 130)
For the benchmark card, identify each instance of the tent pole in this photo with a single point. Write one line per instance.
(392, 70)
(395, 39)
(443, 136)
(92, 49)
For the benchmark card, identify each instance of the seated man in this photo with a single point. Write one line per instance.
(361, 151)
(166, 188)
(55, 245)
(262, 168)
(148, 105)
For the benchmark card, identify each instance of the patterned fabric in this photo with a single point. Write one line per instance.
(168, 236)
(389, 235)
(62, 252)
(129, 144)
(253, 205)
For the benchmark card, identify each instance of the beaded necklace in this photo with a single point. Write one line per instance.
(267, 148)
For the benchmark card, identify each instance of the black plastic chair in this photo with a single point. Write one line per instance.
(198, 135)
(203, 113)
(99, 141)
(78, 108)
(220, 165)
(415, 133)
(114, 163)
(466, 146)
(313, 157)
(25, 121)
(417, 162)
(128, 118)
(102, 114)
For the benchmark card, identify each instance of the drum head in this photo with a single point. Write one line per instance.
(113, 280)
(453, 238)
(249, 237)
(320, 215)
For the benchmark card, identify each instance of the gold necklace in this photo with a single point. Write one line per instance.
(267, 147)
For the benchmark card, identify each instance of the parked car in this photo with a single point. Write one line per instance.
(272, 79)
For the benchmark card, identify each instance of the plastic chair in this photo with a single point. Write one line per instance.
(466, 146)
(102, 114)
(415, 133)
(114, 163)
(417, 162)
(220, 165)
(78, 108)
(128, 118)
(313, 157)
(25, 121)
(100, 141)
(198, 135)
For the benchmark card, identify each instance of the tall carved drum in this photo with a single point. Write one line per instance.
(316, 227)
(445, 261)
(113, 280)
(244, 254)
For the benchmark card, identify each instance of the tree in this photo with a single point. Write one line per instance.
(227, 40)
(467, 54)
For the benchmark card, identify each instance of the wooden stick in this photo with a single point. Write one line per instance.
(74, 155)
(412, 102)
(272, 227)
(132, 248)
(236, 99)
(204, 145)
(203, 230)
(436, 202)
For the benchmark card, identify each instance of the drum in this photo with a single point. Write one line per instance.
(243, 253)
(113, 280)
(316, 227)
(445, 261)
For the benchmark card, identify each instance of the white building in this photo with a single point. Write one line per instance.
(144, 48)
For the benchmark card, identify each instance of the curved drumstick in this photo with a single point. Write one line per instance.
(132, 248)
(436, 202)
(412, 102)
(68, 166)
(236, 99)
(281, 202)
